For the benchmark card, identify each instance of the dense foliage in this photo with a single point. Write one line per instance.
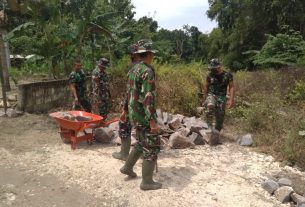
(244, 23)
(250, 33)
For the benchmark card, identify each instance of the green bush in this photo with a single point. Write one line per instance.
(281, 50)
(295, 144)
(298, 92)
(178, 87)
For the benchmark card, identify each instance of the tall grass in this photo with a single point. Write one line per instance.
(270, 104)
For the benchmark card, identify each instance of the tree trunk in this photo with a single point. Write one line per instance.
(3, 88)
(5, 59)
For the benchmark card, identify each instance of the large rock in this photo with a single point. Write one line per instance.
(196, 125)
(184, 131)
(2, 104)
(197, 139)
(285, 182)
(12, 97)
(117, 140)
(11, 113)
(164, 143)
(2, 113)
(283, 194)
(246, 140)
(179, 116)
(104, 135)
(298, 198)
(178, 141)
(199, 110)
(270, 186)
(204, 135)
(175, 123)
(301, 205)
(114, 126)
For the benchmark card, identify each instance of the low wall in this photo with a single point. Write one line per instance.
(43, 96)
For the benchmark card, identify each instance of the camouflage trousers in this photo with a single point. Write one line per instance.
(104, 108)
(102, 104)
(84, 103)
(147, 143)
(125, 129)
(215, 106)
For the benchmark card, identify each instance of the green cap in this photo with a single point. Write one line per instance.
(145, 46)
(103, 62)
(214, 63)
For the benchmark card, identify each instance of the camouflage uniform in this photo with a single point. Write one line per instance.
(79, 79)
(125, 127)
(101, 92)
(142, 108)
(215, 103)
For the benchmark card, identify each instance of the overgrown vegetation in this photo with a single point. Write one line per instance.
(251, 35)
(267, 107)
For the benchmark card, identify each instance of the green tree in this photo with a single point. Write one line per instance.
(281, 50)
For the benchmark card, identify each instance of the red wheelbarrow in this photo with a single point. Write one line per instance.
(75, 131)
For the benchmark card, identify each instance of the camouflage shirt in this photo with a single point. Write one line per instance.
(218, 83)
(141, 94)
(101, 86)
(79, 79)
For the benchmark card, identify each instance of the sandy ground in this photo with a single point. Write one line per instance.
(37, 169)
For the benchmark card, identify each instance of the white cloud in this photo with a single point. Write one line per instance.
(165, 9)
(172, 14)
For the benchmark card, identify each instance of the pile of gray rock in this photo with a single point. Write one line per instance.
(180, 132)
(283, 191)
(177, 131)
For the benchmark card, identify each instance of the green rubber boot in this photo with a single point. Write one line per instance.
(125, 147)
(214, 138)
(133, 157)
(147, 174)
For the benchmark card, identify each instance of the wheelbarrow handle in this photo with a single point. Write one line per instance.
(106, 124)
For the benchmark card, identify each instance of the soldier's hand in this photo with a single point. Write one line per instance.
(75, 101)
(230, 104)
(154, 127)
(123, 117)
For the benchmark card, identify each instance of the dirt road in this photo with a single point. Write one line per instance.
(37, 169)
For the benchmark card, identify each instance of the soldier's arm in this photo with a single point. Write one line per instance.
(73, 90)
(206, 86)
(149, 102)
(231, 93)
(72, 85)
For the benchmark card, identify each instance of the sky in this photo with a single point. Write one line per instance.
(173, 14)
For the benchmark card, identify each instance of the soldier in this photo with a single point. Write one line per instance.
(124, 123)
(77, 80)
(100, 84)
(142, 114)
(215, 92)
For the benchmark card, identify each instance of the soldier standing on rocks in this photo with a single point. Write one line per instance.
(216, 85)
(100, 85)
(77, 81)
(142, 114)
(124, 123)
